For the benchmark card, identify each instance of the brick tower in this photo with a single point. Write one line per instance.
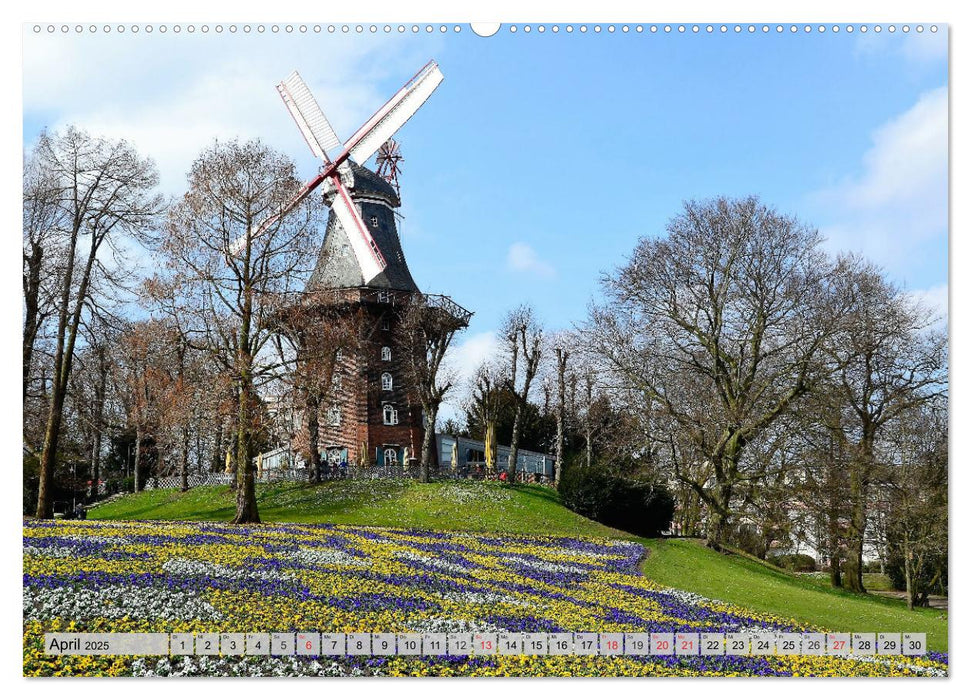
(374, 417)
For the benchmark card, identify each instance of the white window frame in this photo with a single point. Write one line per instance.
(387, 381)
(334, 416)
(386, 354)
(390, 414)
(391, 452)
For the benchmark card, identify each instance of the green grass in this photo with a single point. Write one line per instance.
(877, 582)
(527, 509)
(745, 581)
(474, 506)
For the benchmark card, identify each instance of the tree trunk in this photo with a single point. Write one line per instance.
(832, 515)
(31, 310)
(720, 523)
(246, 511)
(908, 574)
(184, 462)
(100, 392)
(138, 459)
(857, 526)
(312, 418)
(95, 464)
(512, 464)
(45, 496)
(561, 357)
(427, 442)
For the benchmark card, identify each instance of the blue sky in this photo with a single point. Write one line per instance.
(542, 158)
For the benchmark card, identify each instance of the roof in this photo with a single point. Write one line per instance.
(369, 184)
(337, 266)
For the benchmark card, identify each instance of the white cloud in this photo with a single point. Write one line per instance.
(522, 258)
(898, 203)
(462, 361)
(466, 357)
(172, 95)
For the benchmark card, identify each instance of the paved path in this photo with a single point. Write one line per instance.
(938, 602)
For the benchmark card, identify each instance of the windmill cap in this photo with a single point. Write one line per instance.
(368, 183)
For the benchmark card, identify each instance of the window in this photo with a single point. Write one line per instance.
(387, 383)
(391, 456)
(374, 221)
(386, 325)
(386, 353)
(336, 382)
(384, 297)
(339, 355)
(334, 415)
(390, 415)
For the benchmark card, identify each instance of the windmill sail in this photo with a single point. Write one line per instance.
(399, 109)
(368, 255)
(320, 136)
(317, 131)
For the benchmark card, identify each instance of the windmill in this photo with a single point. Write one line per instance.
(388, 159)
(361, 274)
(320, 137)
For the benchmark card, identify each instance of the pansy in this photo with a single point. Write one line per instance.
(94, 576)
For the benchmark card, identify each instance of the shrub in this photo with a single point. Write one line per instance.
(639, 506)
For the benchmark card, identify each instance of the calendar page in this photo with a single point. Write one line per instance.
(534, 349)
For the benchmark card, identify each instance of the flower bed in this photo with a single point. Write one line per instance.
(94, 576)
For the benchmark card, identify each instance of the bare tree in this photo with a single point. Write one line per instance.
(562, 357)
(43, 241)
(732, 304)
(486, 403)
(227, 282)
(425, 332)
(141, 376)
(105, 192)
(312, 339)
(887, 357)
(913, 474)
(523, 338)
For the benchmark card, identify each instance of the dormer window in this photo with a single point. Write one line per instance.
(390, 415)
(386, 354)
(387, 383)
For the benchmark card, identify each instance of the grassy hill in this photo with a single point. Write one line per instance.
(474, 506)
(738, 578)
(526, 509)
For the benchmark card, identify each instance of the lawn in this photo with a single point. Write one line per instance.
(471, 506)
(689, 565)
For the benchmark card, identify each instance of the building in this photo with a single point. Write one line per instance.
(373, 416)
(457, 457)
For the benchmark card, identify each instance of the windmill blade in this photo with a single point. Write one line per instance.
(394, 114)
(369, 257)
(237, 246)
(304, 109)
